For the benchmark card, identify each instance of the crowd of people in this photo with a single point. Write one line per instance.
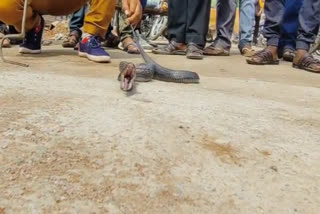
(290, 27)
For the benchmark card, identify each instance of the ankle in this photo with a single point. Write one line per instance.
(181, 46)
(273, 50)
(300, 53)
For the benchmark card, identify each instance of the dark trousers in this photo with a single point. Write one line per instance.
(226, 15)
(189, 21)
(256, 28)
(290, 24)
(309, 19)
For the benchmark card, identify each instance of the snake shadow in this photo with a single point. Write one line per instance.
(134, 91)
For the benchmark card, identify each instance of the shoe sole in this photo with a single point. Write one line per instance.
(195, 57)
(28, 51)
(306, 69)
(267, 63)
(179, 53)
(218, 54)
(95, 58)
(288, 58)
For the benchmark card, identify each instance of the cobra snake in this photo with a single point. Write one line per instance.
(129, 72)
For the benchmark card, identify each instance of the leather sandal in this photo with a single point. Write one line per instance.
(213, 50)
(288, 55)
(72, 40)
(247, 51)
(194, 51)
(170, 49)
(263, 57)
(308, 63)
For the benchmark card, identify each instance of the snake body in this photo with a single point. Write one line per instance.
(152, 70)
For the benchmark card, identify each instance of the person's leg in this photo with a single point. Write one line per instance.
(75, 25)
(177, 23)
(11, 13)
(4, 31)
(96, 25)
(290, 25)
(77, 19)
(287, 43)
(309, 19)
(126, 34)
(96, 21)
(247, 14)
(198, 16)
(256, 29)
(226, 13)
(177, 20)
(274, 11)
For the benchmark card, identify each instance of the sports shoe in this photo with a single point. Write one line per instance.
(32, 41)
(90, 47)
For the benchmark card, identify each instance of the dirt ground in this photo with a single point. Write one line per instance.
(244, 140)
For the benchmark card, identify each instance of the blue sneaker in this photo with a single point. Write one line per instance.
(90, 47)
(32, 41)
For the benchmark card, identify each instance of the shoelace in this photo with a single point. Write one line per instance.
(95, 42)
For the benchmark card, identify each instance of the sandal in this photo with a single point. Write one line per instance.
(263, 57)
(308, 63)
(247, 51)
(194, 51)
(213, 50)
(170, 49)
(72, 40)
(130, 48)
(288, 55)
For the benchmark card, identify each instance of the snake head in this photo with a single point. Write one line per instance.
(127, 75)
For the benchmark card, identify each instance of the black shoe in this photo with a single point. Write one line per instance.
(32, 41)
(194, 51)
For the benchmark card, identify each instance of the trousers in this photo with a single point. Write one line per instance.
(308, 25)
(188, 21)
(95, 23)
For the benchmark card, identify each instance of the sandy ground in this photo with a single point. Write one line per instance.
(245, 140)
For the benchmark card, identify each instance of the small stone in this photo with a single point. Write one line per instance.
(274, 168)
(4, 146)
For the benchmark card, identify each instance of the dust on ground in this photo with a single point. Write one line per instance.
(244, 140)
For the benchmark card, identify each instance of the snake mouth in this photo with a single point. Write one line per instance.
(128, 77)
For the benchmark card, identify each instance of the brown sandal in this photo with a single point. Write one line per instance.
(216, 50)
(170, 49)
(263, 57)
(72, 40)
(247, 51)
(308, 63)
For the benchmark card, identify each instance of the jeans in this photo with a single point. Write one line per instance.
(247, 17)
(309, 19)
(226, 14)
(290, 25)
(77, 19)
